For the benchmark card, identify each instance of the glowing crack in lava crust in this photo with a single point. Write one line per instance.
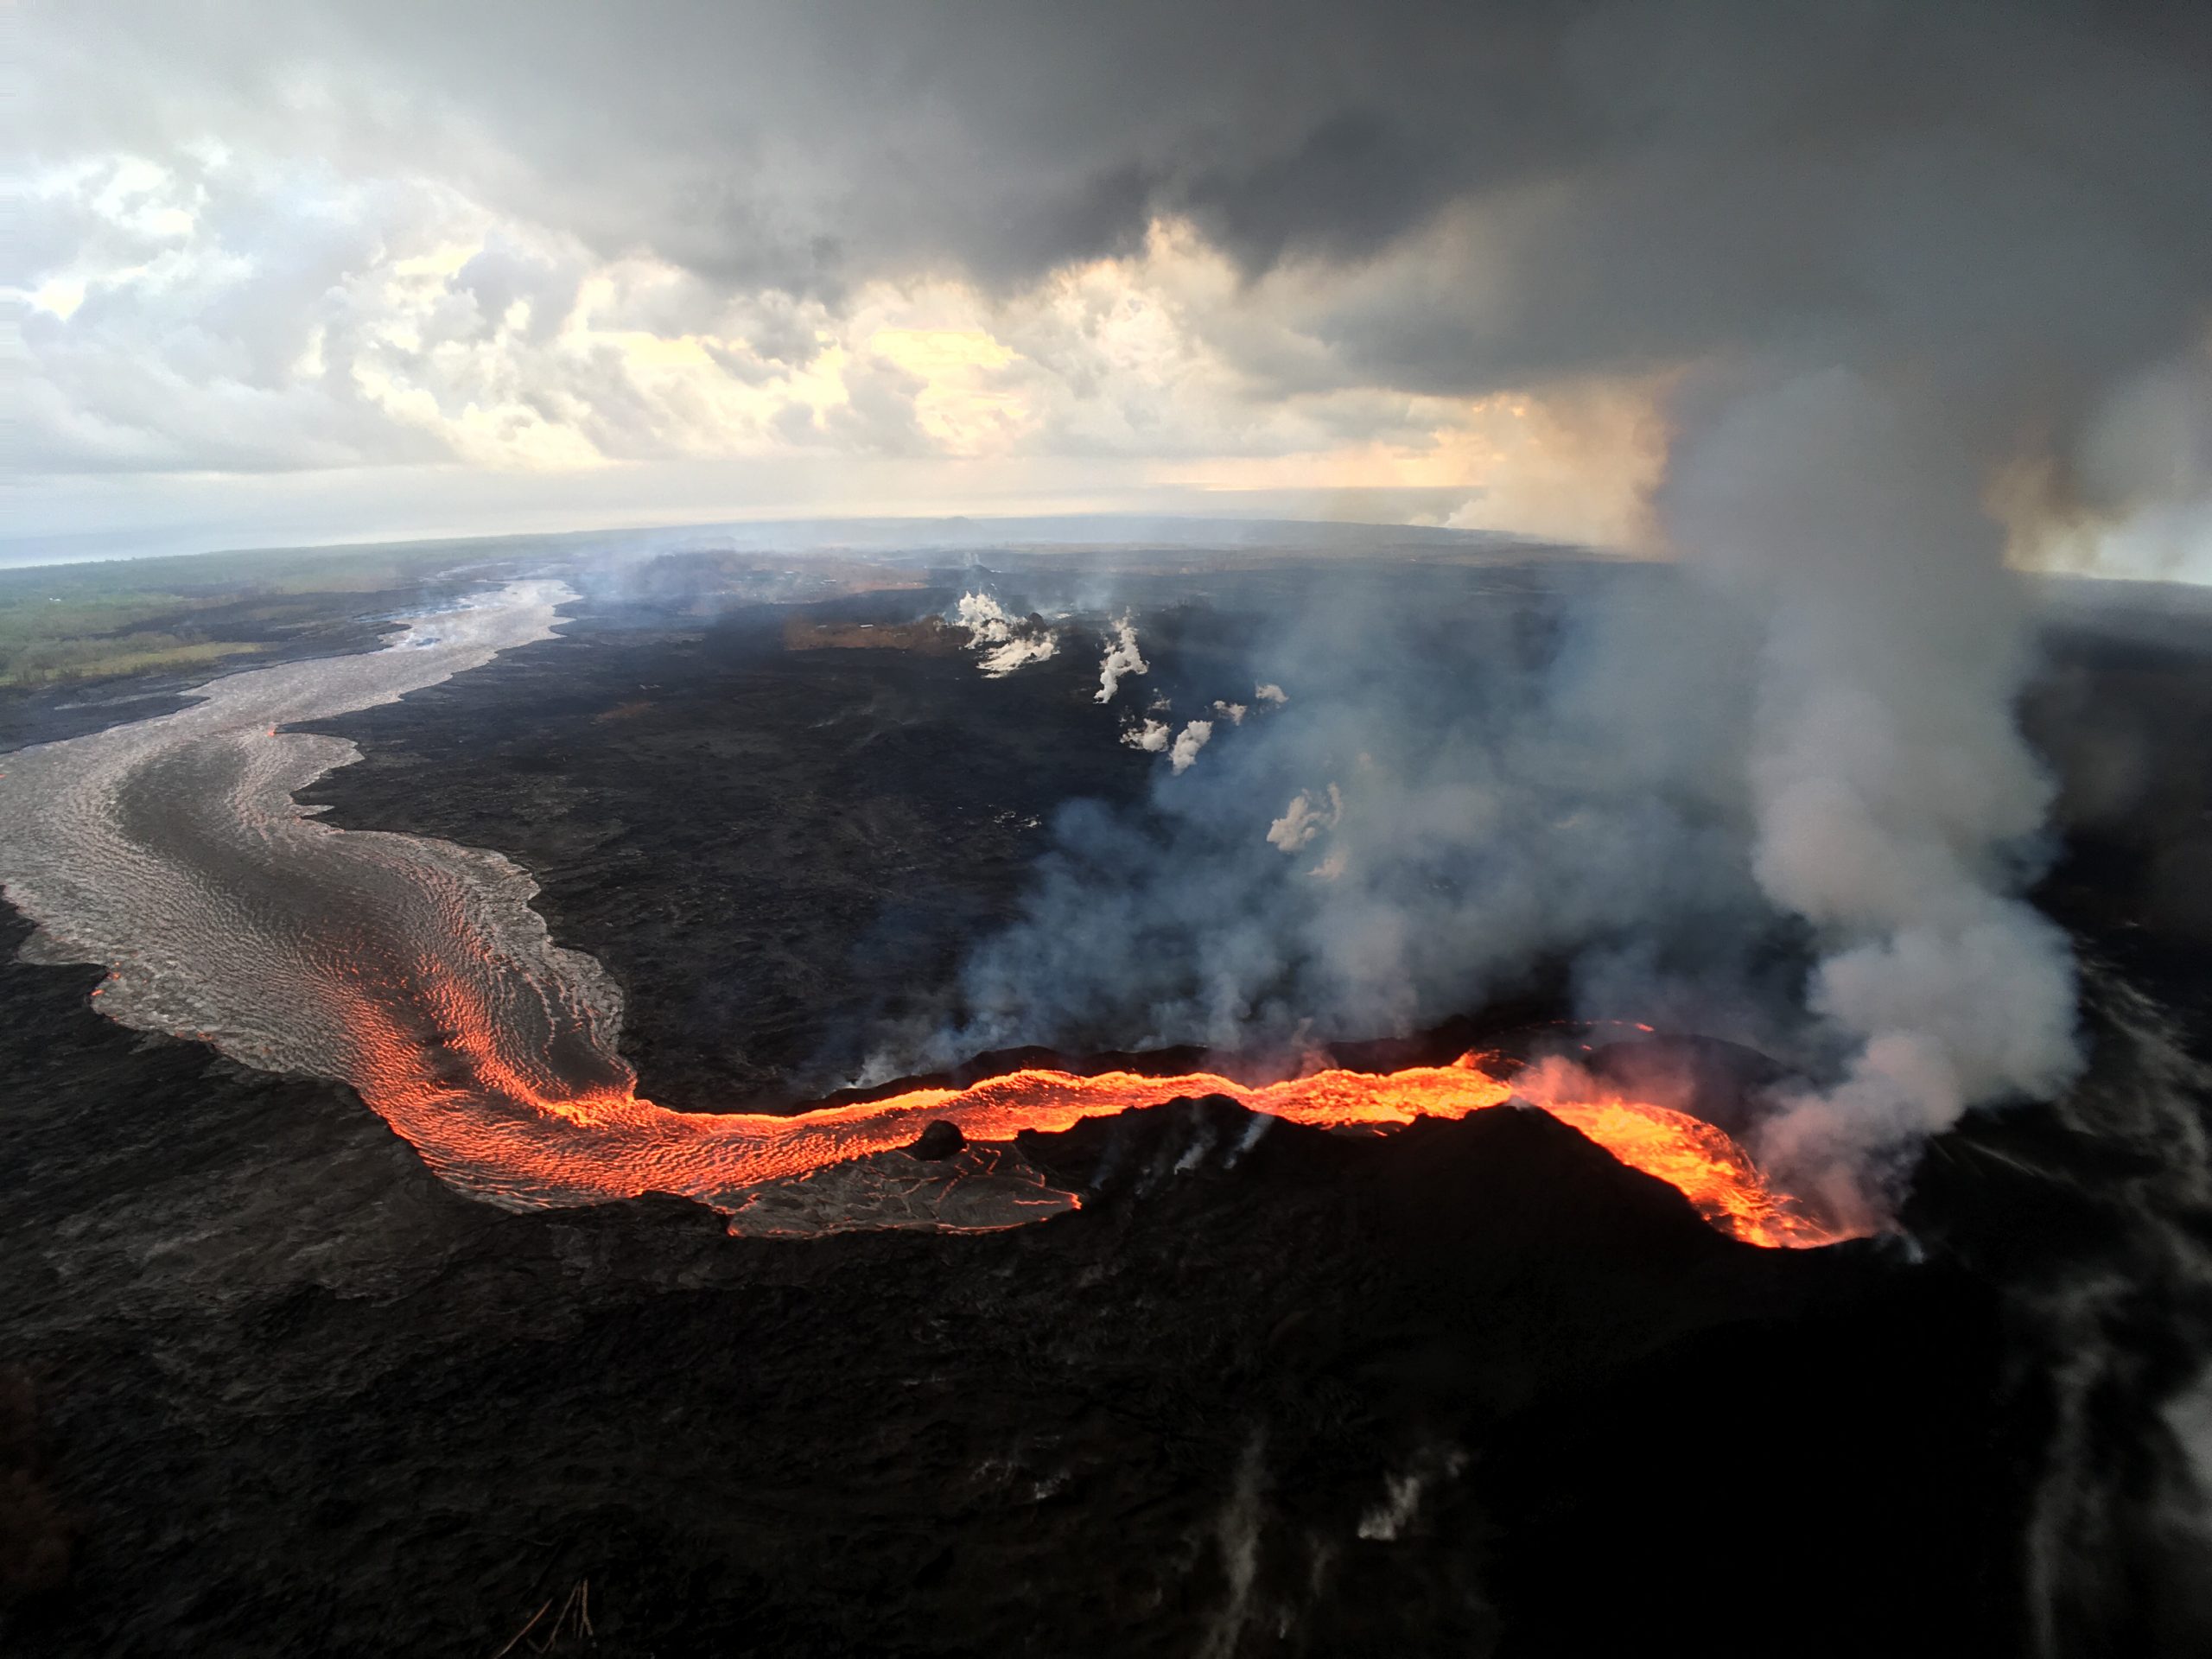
(172, 851)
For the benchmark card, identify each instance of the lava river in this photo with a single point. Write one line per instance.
(171, 850)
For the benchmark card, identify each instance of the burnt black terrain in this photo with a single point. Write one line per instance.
(269, 1388)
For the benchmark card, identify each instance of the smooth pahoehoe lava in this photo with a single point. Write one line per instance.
(173, 852)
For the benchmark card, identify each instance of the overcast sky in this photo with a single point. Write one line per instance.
(312, 272)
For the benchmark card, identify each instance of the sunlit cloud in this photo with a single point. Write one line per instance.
(369, 322)
(846, 264)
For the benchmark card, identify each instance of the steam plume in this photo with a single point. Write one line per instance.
(1193, 738)
(1122, 658)
(1304, 819)
(1151, 736)
(1003, 642)
(1891, 789)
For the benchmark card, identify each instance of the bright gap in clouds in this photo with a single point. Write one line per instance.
(247, 321)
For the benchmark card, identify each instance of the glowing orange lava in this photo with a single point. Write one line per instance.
(482, 1118)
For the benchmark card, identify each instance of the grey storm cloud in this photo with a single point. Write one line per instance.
(2006, 200)
(1651, 183)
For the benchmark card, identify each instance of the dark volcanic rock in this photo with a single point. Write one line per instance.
(37, 1535)
(940, 1139)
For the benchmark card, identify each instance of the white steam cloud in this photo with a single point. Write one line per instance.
(1122, 658)
(1001, 641)
(1305, 817)
(1544, 807)
(1151, 736)
(1891, 789)
(1193, 738)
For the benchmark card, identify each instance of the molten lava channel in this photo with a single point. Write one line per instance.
(610, 1144)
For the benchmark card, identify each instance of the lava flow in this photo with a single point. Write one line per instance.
(513, 1143)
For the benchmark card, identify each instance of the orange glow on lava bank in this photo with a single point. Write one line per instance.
(488, 1125)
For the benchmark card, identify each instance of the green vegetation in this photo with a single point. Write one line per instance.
(60, 623)
(48, 662)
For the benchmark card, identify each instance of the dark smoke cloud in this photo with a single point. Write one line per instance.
(1651, 183)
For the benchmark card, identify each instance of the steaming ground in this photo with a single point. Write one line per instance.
(782, 855)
